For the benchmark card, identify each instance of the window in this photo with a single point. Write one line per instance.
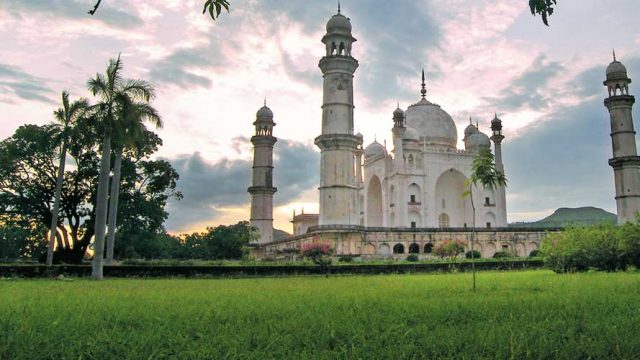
(413, 224)
(398, 249)
(444, 220)
(444, 205)
(487, 201)
(488, 225)
(412, 199)
(414, 248)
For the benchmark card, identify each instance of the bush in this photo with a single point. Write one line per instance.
(345, 258)
(501, 254)
(475, 254)
(602, 247)
(449, 248)
(413, 257)
(534, 253)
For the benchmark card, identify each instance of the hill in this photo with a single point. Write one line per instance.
(280, 234)
(567, 216)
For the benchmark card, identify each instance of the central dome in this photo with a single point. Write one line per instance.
(433, 124)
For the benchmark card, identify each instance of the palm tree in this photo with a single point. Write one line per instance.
(109, 88)
(65, 116)
(483, 171)
(129, 132)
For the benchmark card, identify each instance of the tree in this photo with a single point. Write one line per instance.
(129, 134)
(111, 89)
(28, 171)
(483, 171)
(66, 116)
(542, 7)
(221, 242)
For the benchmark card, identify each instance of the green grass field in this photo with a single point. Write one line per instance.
(516, 315)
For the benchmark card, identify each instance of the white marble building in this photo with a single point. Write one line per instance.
(421, 181)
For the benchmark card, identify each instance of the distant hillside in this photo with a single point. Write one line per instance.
(567, 216)
(279, 235)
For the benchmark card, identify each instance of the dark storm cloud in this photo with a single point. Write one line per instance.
(530, 89)
(74, 9)
(209, 186)
(177, 68)
(396, 37)
(13, 81)
(563, 160)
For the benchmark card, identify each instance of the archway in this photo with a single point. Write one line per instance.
(384, 249)
(449, 190)
(374, 202)
(398, 249)
(490, 220)
(414, 248)
(414, 194)
(369, 249)
(414, 219)
(428, 248)
(443, 220)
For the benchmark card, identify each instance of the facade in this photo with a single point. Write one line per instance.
(380, 203)
(625, 161)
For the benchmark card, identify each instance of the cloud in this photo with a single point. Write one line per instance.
(563, 161)
(74, 9)
(180, 67)
(530, 90)
(210, 187)
(15, 82)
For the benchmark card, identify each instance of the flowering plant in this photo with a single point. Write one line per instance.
(319, 253)
(449, 248)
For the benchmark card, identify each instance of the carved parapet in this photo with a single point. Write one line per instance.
(619, 101)
(624, 161)
(254, 190)
(338, 142)
(338, 64)
(263, 140)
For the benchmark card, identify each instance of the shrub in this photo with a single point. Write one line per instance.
(475, 254)
(346, 258)
(413, 257)
(534, 253)
(319, 253)
(501, 254)
(449, 248)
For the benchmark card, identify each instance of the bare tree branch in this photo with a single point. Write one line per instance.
(95, 7)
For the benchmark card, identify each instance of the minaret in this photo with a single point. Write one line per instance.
(338, 193)
(497, 137)
(262, 189)
(625, 161)
(398, 131)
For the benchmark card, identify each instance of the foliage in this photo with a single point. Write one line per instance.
(221, 242)
(413, 258)
(27, 184)
(534, 253)
(542, 7)
(473, 254)
(520, 315)
(346, 258)
(20, 238)
(319, 253)
(449, 249)
(501, 254)
(603, 247)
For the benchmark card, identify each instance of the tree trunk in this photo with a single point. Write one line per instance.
(101, 208)
(113, 205)
(56, 204)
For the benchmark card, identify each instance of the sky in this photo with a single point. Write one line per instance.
(480, 57)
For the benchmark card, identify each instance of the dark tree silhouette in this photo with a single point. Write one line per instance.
(213, 7)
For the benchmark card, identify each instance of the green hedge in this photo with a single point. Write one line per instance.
(31, 271)
(603, 247)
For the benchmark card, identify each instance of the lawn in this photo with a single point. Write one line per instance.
(534, 314)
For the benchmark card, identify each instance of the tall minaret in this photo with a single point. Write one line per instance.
(625, 161)
(338, 193)
(497, 137)
(262, 189)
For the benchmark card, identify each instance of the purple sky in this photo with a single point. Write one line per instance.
(480, 57)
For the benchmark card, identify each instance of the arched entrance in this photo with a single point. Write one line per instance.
(449, 190)
(398, 249)
(374, 202)
(414, 248)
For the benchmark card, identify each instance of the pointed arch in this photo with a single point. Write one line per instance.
(374, 202)
(450, 187)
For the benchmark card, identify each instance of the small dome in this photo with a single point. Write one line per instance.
(411, 134)
(374, 149)
(470, 129)
(359, 135)
(339, 23)
(398, 111)
(616, 71)
(432, 123)
(264, 113)
(477, 140)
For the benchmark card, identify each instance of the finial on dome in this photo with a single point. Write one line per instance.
(614, 55)
(338, 7)
(470, 122)
(477, 126)
(424, 87)
(265, 101)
